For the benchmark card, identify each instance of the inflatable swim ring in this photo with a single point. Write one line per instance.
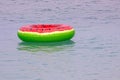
(45, 32)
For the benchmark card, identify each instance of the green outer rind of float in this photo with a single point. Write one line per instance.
(46, 37)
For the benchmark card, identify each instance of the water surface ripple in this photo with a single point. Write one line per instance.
(93, 53)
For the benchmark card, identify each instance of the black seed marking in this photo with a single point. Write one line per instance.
(43, 26)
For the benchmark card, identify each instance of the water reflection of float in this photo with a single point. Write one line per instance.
(47, 47)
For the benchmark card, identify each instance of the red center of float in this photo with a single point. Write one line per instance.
(44, 28)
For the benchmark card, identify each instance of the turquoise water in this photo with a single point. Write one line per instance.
(92, 54)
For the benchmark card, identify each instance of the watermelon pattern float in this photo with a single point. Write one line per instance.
(45, 33)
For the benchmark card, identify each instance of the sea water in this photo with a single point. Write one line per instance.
(92, 54)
